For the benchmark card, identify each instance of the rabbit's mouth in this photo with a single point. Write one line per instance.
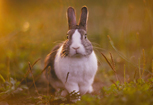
(77, 54)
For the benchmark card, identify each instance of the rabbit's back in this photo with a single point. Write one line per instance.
(50, 71)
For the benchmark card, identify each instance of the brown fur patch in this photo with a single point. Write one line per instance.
(86, 43)
(49, 63)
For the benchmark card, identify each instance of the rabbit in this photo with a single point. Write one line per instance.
(72, 65)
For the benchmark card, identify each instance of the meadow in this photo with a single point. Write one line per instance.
(120, 31)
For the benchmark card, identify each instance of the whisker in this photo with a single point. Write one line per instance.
(97, 46)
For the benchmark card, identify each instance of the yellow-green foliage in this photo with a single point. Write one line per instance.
(30, 28)
(135, 93)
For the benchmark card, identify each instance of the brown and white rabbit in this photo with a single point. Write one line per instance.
(72, 65)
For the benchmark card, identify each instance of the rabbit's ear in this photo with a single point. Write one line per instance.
(83, 18)
(71, 18)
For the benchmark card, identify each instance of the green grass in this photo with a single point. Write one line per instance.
(135, 92)
(30, 29)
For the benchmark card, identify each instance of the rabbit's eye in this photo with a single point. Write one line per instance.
(85, 36)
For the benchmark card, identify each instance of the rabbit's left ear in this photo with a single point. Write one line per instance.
(83, 18)
(71, 18)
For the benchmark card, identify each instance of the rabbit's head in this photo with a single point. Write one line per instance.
(77, 43)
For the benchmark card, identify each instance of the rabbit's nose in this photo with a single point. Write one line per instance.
(75, 48)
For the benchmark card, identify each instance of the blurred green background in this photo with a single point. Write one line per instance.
(30, 28)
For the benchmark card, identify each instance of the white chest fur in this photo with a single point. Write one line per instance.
(81, 70)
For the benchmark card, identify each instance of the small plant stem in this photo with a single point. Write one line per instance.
(67, 77)
(2, 78)
(135, 74)
(48, 73)
(40, 74)
(139, 68)
(144, 61)
(28, 71)
(47, 88)
(113, 64)
(25, 76)
(124, 75)
(30, 68)
(115, 84)
(36, 62)
(8, 68)
(108, 61)
(110, 66)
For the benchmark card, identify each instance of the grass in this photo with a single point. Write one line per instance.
(122, 35)
(138, 92)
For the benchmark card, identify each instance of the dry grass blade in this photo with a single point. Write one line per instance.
(144, 61)
(135, 73)
(107, 61)
(40, 74)
(28, 71)
(122, 56)
(30, 68)
(67, 77)
(139, 68)
(124, 75)
(36, 62)
(115, 84)
(111, 65)
(24, 76)
(8, 68)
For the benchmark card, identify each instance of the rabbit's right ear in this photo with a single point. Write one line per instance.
(83, 18)
(71, 18)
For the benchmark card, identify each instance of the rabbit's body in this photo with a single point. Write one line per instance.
(73, 64)
(76, 73)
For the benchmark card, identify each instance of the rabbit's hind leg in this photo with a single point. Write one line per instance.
(90, 90)
(85, 89)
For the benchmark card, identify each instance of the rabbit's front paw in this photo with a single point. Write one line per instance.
(74, 96)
